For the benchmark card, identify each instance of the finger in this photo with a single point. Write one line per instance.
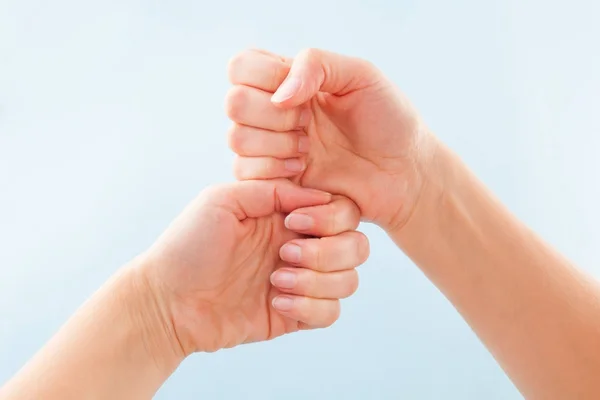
(340, 215)
(319, 285)
(245, 168)
(249, 106)
(253, 199)
(259, 69)
(249, 141)
(332, 253)
(318, 70)
(315, 313)
(279, 57)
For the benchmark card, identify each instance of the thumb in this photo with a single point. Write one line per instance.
(315, 70)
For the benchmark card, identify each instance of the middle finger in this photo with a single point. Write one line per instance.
(250, 106)
(332, 253)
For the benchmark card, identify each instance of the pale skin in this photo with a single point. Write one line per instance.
(336, 123)
(219, 276)
(245, 262)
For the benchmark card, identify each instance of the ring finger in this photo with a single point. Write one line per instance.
(254, 142)
(320, 285)
(247, 168)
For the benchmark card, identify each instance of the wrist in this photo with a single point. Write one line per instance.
(116, 345)
(455, 221)
(417, 184)
(148, 312)
(441, 176)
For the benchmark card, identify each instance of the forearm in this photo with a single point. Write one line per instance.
(115, 347)
(538, 315)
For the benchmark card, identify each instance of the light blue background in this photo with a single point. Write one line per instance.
(111, 120)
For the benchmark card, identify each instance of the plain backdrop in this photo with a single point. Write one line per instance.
(111, 120)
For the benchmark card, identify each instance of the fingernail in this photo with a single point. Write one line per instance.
(304, 119)
(288, 88)
(291, 253)
(283, 303)
(303, 144)
(294, 165)
(284, 279)
(299, 222)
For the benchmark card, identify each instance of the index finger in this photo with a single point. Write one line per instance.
(258, 69)
(340, 215)
(255, 199)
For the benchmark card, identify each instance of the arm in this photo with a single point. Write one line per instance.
(537, 313)
(216, 278)
(115, 347)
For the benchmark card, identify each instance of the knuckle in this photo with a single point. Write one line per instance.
(276, 73)
(235, 102)
(235, 64)
(363, 248)
(336, 217)
(351, 284)
(348, 214)
(216, 192)
(334, 313)
(242, 67)
(236, 139)
(249, 168)
(310, 53)
(239, 169)
(364, 64)
(343, 215)
(368, 65)
(354, 212)
(312, 58)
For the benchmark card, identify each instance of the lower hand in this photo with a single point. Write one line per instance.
(234, 269)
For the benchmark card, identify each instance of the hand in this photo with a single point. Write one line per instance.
(228, 271)
(334, 123)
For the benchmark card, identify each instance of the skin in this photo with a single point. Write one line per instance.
(226, 272)
(365, 131)
(536, 312)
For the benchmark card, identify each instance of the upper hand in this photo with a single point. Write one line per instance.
(229, 271)
(334, 123)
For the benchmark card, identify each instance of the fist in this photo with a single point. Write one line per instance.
(254, 260)
(329, 122)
